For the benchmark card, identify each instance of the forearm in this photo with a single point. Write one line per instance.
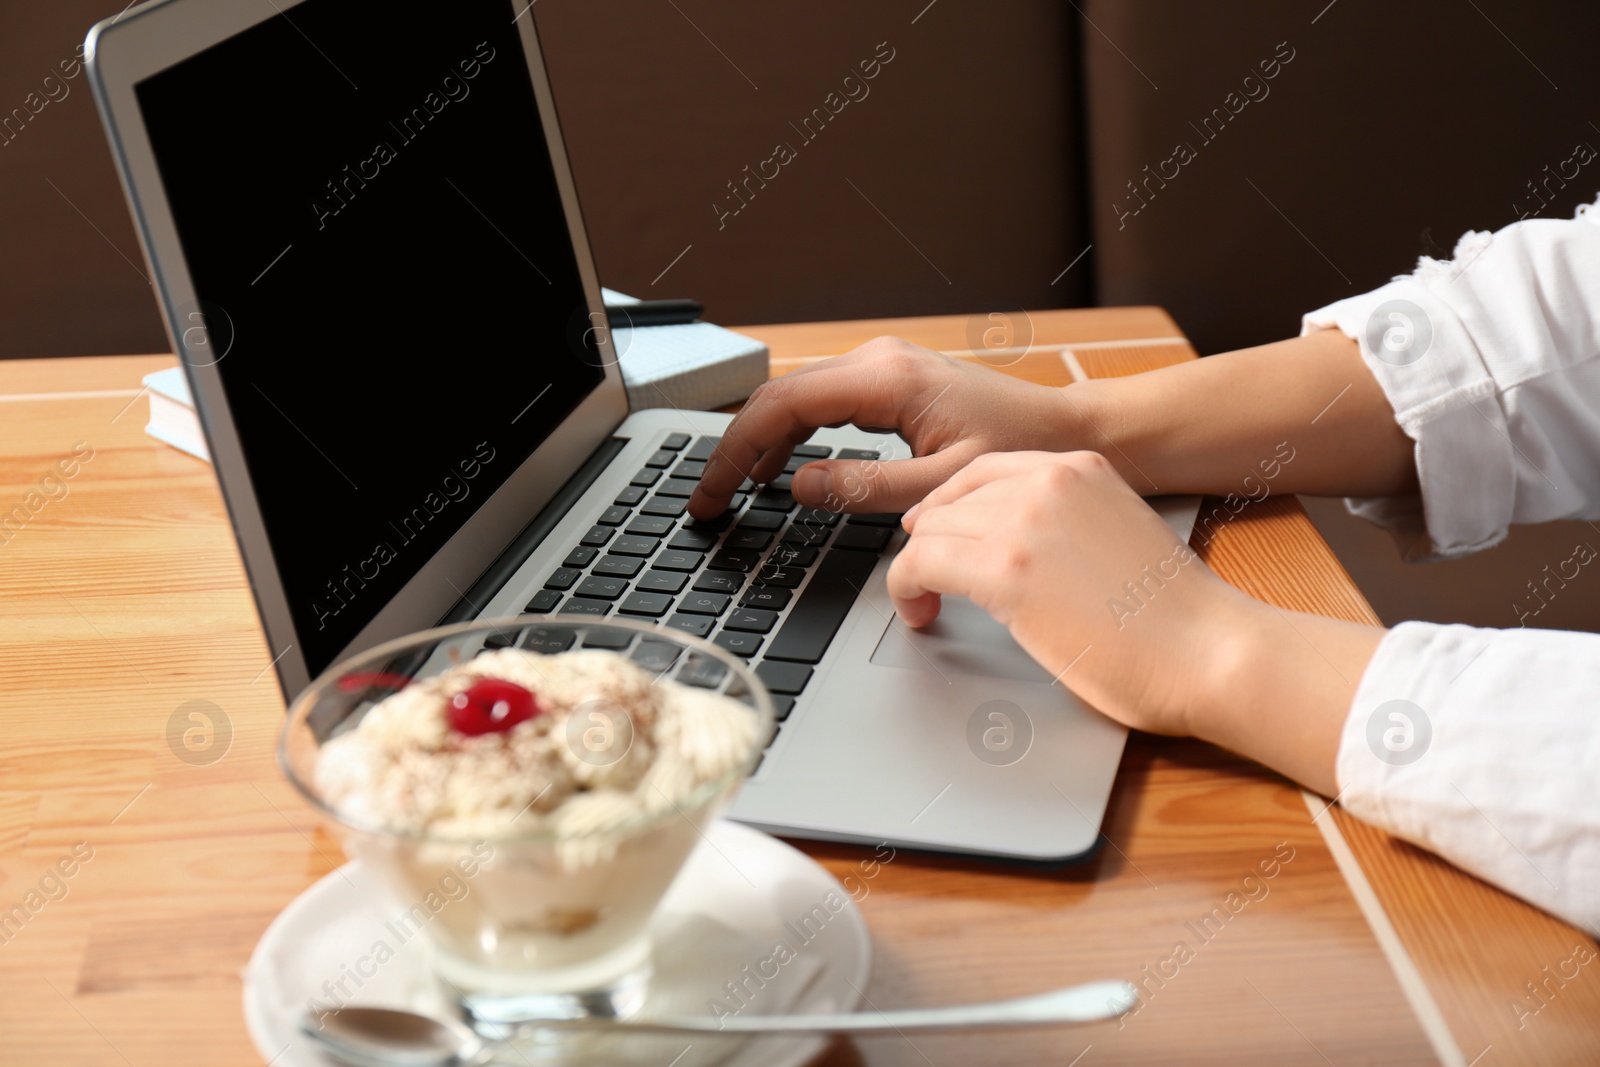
(1281, 688)
(1207, 425)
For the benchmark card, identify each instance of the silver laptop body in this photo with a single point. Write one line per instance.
(415, 411)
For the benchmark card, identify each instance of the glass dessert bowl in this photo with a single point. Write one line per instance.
(527, 790)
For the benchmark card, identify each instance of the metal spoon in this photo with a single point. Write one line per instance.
(384, 1037)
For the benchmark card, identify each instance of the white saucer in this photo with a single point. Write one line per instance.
(740, 895)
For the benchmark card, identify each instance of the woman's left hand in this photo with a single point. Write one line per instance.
(1089, 580)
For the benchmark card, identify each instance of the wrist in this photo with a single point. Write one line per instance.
(1279, 687)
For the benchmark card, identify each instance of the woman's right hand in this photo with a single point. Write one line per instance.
(950, 411)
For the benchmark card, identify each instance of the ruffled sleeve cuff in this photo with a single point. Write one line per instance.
(1445, 400)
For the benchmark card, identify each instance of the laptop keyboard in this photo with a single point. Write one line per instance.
(767, 580)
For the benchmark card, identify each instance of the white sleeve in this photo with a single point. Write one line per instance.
(1484, 747)
(1491, 362)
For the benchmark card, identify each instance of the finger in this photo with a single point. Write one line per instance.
(981, 471)
(976, 515)
(786, 410)
(926, 568)
(878, 485)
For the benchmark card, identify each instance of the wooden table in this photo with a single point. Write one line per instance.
(123, 598)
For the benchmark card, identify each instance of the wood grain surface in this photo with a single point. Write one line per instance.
(123, 599)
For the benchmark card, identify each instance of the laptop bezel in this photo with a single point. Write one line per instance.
(144, 40)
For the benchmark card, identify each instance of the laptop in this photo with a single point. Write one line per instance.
(370, 255)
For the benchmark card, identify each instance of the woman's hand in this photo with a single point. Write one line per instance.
(951, 411)
(1090, 581)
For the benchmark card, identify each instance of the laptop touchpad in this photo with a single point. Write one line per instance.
(962, 640)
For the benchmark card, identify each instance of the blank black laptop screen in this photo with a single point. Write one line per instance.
(385, 276)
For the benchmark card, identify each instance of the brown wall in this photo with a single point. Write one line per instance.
(965, 143)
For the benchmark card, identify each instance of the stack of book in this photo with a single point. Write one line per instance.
(694, 366)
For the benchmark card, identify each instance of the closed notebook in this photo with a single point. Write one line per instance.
(172, 415)
(695, 366)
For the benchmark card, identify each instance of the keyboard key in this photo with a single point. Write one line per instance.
(783, 483)
(548, 640)
(579, 606)
(704, 603)
(805, 536)
(744, 537)
(500, 639)
(618, 566)
(715, 524)
(689, 469)
(646, 477)
(813, 451)
(614, 638)
(796, 461)
(631, 496)
(543, 602)
(650, 525)
(719, 582)
(602, 588)
(751, 620)
(662, 458)
(698, 625)
(702, 448)
(702, 671)
(876, 518)
(580, 557)
(770, 597)
(655, 656)
(675, 559)
(761, 520)
(771, 500)
(816, 517)
(670, 506)
(858, 453)
(863, 538)
(562, 578)
(735, 559)
(739, 644)
(597, 536)
(792, 556)
(662, 582)
(676, 487)
(615, 515)
(634, 545)
(788, 678)
(654, 605)
(816, 616)
(782, 577)
(693, 540)
(781, 707)
(675, 441)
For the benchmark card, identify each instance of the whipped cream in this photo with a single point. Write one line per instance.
(611, 746)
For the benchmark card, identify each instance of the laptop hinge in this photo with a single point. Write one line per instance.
(532, 536)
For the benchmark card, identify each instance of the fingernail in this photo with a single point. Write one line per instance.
(812, 483)
(909, 517)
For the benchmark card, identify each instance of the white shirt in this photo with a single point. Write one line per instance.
(1484, 745)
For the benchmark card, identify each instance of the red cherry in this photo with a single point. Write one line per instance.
(491, 705)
